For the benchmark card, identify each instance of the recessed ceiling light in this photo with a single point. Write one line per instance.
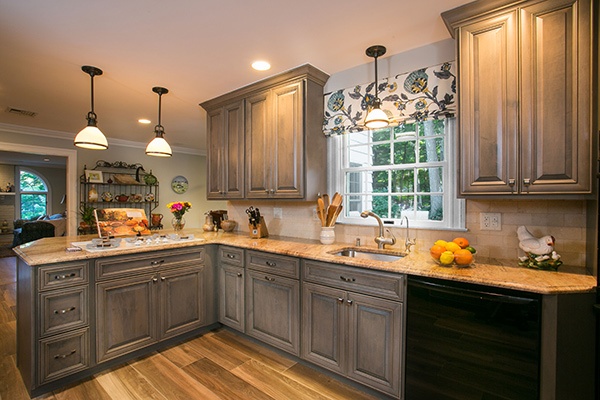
(144, 121)
(261, 65)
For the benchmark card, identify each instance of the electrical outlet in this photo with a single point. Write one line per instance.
(490, 221)
(277, 213)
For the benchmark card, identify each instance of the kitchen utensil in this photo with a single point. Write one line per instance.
(326, 200)
(321, 213)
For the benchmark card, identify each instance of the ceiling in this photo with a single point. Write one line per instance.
(196, 49)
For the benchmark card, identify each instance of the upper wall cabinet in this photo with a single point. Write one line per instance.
(525, 96)
(259, 138)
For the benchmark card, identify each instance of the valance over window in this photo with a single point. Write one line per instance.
(427, 93)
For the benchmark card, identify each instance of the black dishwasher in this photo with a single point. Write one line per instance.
(466, 341)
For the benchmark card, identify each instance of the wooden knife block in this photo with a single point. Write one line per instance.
(260, 231)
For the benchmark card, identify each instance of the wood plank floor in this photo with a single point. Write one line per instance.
(219, 365)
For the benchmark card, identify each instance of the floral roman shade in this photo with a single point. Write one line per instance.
(428, 93)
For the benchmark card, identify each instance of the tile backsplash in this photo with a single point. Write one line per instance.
(563, 219)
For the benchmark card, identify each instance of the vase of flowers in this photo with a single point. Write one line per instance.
(178, 209)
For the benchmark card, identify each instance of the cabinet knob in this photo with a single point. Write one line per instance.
(340, 300)
(272, 191)
(270, 279)
(162, 278)
(526, 181)
(239, 274)
(154, 280)
(349, 302)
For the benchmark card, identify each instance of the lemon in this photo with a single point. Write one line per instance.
(441, 243)
(453, 247)
(447, 258)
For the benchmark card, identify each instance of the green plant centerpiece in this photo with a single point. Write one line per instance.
(88, 218)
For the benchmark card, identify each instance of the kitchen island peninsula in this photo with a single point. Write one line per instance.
(84, 311)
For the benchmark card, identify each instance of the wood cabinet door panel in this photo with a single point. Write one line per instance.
(181, 300)
(125, 315)
(488, 103)
(287, 138)
(273, 310)
(324, 319)
(231, 296)
(555, 98)
(258, 146)
(375, 340)
(215, 153)
(233, 163)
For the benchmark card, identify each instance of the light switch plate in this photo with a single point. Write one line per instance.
(490, 221)
(277, 213)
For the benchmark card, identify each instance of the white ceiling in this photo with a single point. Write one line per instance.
(196, 49)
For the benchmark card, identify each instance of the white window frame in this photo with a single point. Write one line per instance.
(454, 208)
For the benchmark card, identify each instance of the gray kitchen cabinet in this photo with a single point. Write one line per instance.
(140, 309)
(273, 300)
(225, 142)
(231, 287)
(355, 334)
(525, 96)
(285, 149)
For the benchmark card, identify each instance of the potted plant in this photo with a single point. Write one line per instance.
(88, 219)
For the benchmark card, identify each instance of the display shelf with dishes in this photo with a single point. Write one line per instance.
(117, 185)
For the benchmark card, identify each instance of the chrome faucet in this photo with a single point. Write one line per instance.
(381, 240)
(408, 243)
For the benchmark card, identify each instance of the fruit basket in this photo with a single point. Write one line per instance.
(457, 253)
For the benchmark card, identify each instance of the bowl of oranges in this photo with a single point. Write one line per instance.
(457, 252)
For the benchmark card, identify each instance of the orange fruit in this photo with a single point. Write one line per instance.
(463, 257)
(436, 251)
(462, 242)
(453, 247)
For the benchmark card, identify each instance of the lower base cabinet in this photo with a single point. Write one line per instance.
(231, 287)
(353, 334)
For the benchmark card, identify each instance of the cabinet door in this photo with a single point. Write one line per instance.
(231, 296)
(273, 310)
(555, 98)
(374, 342)
(182, 305)
(287, 138)
(258, 146)
(225, 162)
(324, 320)
(125, 315)
(488, 54)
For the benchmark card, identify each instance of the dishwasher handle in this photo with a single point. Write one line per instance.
(472, 294)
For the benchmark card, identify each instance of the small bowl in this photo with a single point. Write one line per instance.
(228, 225)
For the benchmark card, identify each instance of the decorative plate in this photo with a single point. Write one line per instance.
(179, 184)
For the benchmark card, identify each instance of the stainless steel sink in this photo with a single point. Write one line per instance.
(369, 254)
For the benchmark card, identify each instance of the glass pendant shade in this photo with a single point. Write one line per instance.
(91, 137)
(376, 118)
(158, 147)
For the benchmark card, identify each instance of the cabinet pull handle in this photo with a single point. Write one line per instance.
(347, 279)
(349, 302)
(270, 279)
(66, 310)
(239, 274)
(230, 256)
(59, 277)
(157, 262)
(340, 300)
(59, 356)
(271, 263)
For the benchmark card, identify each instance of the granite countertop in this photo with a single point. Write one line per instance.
(498, 273)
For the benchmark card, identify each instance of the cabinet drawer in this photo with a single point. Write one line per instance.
(381, 284)
(63, 275)
(273, 264)
(147, 262)
(231, 256)
(63, 310)
(63, 355)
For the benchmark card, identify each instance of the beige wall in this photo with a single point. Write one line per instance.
(564, 219)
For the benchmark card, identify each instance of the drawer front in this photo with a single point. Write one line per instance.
(63, 310)
(63, 275)
(376, 283)
(63, 355)
(273, 264)
(231, 256)
(142, 263)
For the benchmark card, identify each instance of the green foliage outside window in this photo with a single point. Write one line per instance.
(34, 195)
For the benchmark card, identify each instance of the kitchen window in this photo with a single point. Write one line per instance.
(405, 170)
(33, 195)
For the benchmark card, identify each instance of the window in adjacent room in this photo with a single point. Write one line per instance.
(406, 170)
(33, 194)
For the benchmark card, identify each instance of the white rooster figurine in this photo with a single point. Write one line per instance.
(530, 244)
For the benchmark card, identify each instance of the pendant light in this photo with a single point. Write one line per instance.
(376, 118)
(159, 147)
(91, 137)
